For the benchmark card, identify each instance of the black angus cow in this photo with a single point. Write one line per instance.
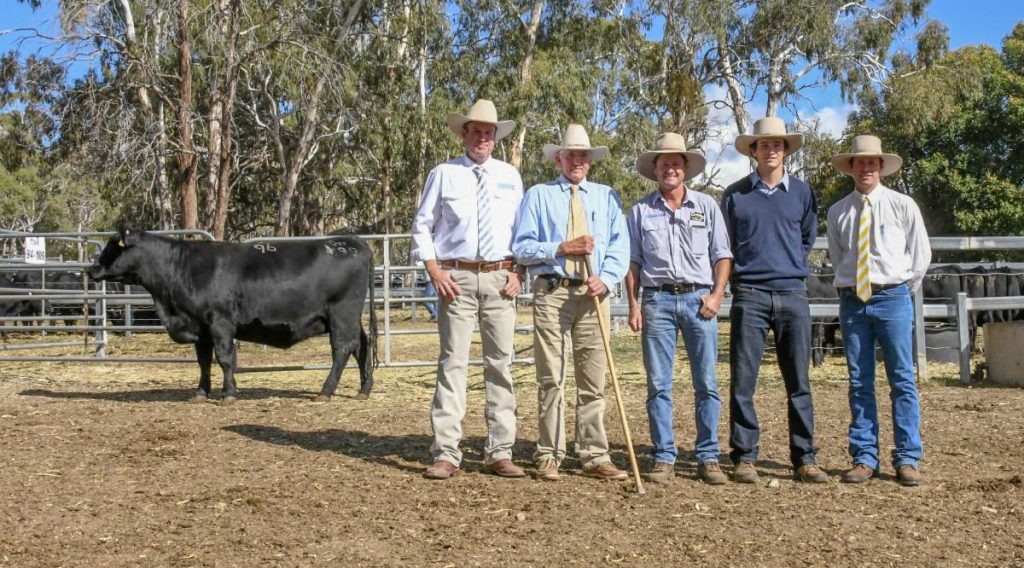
(820, 290)
(33, 279)
(277, 294)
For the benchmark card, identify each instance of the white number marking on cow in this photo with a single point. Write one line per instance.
(264, 248)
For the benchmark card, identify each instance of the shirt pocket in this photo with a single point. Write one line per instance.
(655, 233)
(460, 205)
(699, 241)
(894, 241)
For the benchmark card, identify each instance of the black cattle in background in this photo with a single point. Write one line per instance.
(32, 279)
(212, 293)
(820, 290)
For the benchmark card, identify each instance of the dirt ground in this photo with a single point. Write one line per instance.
(108, 465)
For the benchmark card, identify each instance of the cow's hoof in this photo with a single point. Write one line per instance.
(227, 401)
(362, 396)
(322, 398)
(198, 399)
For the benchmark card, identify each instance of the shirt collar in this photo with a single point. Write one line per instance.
(659, 199)
(877, 194)
(783, 183)
(469, 163)
(565, 184)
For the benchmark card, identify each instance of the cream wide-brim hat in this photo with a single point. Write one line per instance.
(670, 143)
(575, 138)
(482, 111)
(769, 127)
(867, 146)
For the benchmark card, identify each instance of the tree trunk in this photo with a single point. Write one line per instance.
(164, 203)
(526, 75)
(223, 197)
(298, 160)
(733, 86)
(186, 157)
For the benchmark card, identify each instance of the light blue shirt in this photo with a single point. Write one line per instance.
(759, 184)
(544, 220)
(678, 246)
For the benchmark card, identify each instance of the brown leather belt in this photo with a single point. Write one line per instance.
(682, 288)
(506, 264)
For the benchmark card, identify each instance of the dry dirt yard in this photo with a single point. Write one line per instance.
(108, 465)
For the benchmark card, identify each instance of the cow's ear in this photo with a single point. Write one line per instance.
(126, 234)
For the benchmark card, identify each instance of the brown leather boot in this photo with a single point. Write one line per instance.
(503, 468)
(745, 472)
(859, 473)
(441, 469)
(810, 473)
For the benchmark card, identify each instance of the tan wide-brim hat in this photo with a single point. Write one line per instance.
(670, 143)
(482, 111)
(867, 146)
(575, 138)
(769, 127)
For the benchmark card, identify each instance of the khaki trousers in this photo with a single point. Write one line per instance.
(561, 313)
(480, 300)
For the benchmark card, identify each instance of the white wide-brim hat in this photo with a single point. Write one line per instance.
(867, 146)
(482, 111)
(769, 127)
(670, 143)
(575, 138)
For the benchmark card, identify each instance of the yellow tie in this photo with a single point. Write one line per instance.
(574, 264)
(864, 253)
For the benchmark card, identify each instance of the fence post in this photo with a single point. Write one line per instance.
(387, 300)
(964, 329)
(920, 346)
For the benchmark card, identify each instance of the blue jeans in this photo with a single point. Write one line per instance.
(666, 314)
(887, 318)
(788, 315)
(429, 291)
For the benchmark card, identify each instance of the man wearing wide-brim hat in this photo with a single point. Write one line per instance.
(879, 247)
(463, 234)
(680, 258)
(773, 221)
(560, 223)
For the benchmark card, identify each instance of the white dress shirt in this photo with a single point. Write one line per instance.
(900, 251)
(445, 227)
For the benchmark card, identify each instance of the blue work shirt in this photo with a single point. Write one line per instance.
(762, 186)
(544, 219)
(677, 246)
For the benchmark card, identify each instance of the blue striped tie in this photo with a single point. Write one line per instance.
(485, 235)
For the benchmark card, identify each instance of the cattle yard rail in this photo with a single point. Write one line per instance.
(389, 296)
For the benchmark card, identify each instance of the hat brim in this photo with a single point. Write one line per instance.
(695, 163)
(743, 142)
(596, 152)
(891, 163)
(502, 128)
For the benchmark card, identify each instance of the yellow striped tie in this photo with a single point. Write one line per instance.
(864, 253)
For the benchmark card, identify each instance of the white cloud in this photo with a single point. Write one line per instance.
(830, 120)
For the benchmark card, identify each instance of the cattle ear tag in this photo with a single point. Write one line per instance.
(120, 243)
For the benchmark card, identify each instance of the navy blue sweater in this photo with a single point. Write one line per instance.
(771, 235)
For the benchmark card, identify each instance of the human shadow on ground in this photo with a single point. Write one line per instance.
(178, 395)
(407, 452)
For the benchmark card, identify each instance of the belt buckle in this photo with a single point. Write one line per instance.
(481, 266)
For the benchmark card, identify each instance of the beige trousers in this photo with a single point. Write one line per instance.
(559, 314)
(480, 300)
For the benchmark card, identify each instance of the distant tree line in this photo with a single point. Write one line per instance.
(293, 117)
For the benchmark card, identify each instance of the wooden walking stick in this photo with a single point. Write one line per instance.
(615, 384)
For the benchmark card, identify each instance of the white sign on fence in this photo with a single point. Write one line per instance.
(35, 250)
